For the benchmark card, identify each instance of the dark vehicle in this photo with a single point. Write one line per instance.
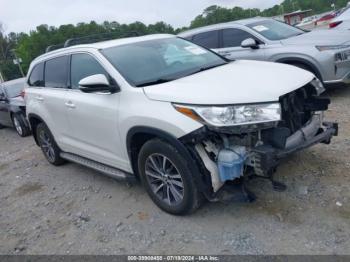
(12, 107)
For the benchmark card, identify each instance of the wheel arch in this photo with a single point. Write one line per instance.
(298, 60)
(34, 120)
(139, 135)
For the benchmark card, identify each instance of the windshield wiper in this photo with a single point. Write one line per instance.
(165, 80)
(205, 68)
(155, 82)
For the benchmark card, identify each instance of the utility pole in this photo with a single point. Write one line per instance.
(17, 61)
(1, 78)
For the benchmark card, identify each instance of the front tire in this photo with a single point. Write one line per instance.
(165, 174)
(21, 128)
(48, 145)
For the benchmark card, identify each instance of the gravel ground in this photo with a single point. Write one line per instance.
(74, 210)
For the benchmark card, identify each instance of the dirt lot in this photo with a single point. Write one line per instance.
(74, 210)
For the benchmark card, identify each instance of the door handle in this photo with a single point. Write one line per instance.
(39, 98)
(69, 104)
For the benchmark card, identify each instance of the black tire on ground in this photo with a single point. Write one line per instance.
(21, 128)
(174, 175)
(1, 126)
(48, 145)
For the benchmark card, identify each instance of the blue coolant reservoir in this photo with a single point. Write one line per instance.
(231, 162)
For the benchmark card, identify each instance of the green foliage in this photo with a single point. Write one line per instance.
(216, 14)
(29, 46)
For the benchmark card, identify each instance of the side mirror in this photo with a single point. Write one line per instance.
(96, 83)
(250, 43)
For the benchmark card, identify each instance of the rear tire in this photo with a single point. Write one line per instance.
(48, 145)
(165, 174)
(21, 128)
(2, 127)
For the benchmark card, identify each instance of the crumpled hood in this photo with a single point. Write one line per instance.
(238, 82)
(320, 37)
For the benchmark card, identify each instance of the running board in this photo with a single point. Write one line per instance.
(102, 168)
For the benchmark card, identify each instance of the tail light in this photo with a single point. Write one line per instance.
(335, 24)
(23, 93)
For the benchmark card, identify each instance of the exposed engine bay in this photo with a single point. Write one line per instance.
(231, 153)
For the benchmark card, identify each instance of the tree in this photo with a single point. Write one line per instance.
(7, 43)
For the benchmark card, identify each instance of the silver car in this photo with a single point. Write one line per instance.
(325, 53)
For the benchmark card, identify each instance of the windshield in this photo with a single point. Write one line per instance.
(158, 61)
(14, 90)
(275, 30)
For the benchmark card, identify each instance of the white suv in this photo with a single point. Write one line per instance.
(182, 119)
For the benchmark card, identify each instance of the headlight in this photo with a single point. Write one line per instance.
(342, 56)
(234, 115)
(331, 47)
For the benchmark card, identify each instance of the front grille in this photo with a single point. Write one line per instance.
(295, 110)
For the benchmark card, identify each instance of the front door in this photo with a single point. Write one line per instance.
(93, 117)
(232, 39)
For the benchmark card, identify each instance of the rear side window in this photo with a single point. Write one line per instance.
(208, 39)
(37, 76)
(84, 65)
(56, 72)
(234, 37)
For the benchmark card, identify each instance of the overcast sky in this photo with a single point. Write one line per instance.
(24, 15)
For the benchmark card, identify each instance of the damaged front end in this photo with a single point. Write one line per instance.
(233, 152)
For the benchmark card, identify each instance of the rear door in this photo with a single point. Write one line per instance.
(232, 39)
(54, 97)
(5, 118)
(93, 116)
(45, 96)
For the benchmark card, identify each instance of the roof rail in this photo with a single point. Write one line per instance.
(91, 39)
(53, 47)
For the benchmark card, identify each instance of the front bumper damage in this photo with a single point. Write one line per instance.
(258, 149)
(267, 157)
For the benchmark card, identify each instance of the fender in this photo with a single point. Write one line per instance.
(31, 117)
(301, 61)
(154, 132)
(157, 133)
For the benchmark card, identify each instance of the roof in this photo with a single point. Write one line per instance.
(106, 44)
(241, 22)
(13, 82)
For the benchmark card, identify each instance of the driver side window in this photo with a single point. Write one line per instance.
(233, 37)
(84, 65)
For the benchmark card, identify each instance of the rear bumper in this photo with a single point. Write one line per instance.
(269, 156)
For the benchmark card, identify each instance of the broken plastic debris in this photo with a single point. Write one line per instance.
(339, 204)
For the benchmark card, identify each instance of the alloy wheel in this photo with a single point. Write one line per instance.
(47, 146)
(164, 179)
(17, 126)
